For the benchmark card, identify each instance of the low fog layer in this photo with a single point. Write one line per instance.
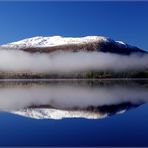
(60, 62)
(68, 96)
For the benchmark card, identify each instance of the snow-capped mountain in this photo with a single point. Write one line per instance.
(88, 43)
(41, 41)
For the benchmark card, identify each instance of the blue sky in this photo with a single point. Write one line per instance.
(126, 21)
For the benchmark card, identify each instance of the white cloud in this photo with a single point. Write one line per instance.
(60, 62)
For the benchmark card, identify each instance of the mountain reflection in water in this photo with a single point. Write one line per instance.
(92, 99)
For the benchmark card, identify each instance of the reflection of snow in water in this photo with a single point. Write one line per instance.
(68, 100)
(46, 113)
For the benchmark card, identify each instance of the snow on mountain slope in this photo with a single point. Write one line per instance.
(40, 41)
(72, 44)
(46, 113)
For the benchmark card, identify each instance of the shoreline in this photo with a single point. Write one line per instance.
(77, 79)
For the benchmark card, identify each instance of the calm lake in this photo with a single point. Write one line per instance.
(74, 113)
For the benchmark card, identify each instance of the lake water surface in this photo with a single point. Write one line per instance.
(74, 113)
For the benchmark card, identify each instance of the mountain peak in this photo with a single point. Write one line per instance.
(40, 41)
(87, 43)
